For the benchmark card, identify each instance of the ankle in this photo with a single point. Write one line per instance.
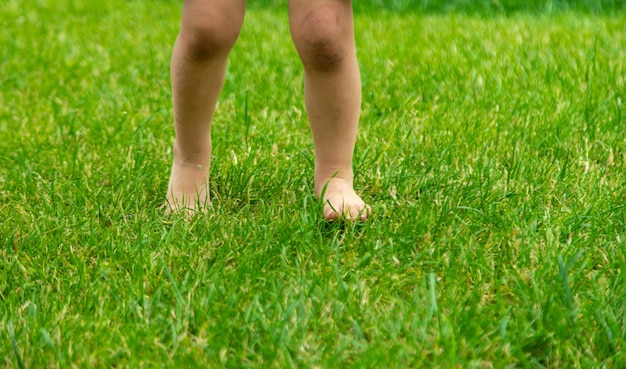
(337, 181)
(201, 155)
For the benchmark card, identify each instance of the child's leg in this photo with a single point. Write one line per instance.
(323, 33)
(209, 29)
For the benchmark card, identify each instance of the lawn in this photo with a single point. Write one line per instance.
(491, 148)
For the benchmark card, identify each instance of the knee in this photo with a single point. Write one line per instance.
(320, 39)
(209, 39)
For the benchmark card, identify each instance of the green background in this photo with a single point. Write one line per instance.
(474, 6)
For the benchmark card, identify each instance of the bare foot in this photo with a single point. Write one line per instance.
(188, 189)
(341, 202)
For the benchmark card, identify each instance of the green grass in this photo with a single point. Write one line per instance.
(484, 7)
(491, 148)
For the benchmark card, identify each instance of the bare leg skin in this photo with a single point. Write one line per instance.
(209, 29)
(323, 32)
